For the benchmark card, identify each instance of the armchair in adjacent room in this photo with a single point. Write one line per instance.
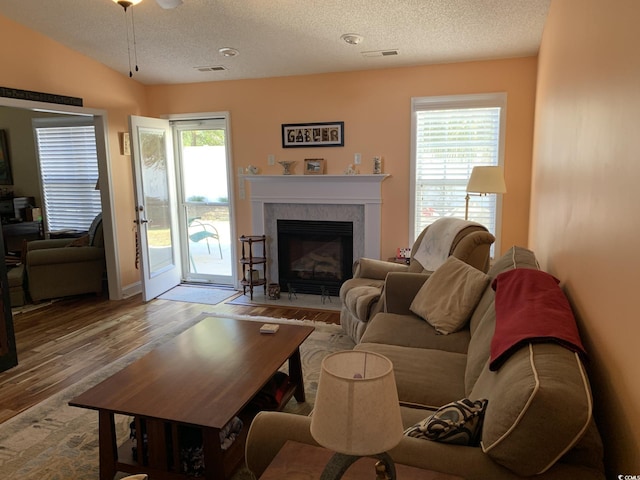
(362, 295)
(63, 267)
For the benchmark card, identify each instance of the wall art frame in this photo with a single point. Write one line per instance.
(314, 166)
(5, 163)
(307, 135)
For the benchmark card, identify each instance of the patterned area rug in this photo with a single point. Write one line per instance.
(53, 441)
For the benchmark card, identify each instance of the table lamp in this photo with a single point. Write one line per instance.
(356, 411)
(484, 180)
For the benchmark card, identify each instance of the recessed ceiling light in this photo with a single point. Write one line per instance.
(228, 52)
(352, 38)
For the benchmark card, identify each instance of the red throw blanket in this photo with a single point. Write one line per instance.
(530, 307)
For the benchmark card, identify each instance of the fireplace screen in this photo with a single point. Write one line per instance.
(314, 255)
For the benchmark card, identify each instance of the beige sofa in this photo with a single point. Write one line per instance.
(538, 421)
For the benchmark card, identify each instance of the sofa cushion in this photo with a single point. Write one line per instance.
(82, 241)
(423, 376)
(412, 331)
(458, 423)
(539, 407)
(448, 297)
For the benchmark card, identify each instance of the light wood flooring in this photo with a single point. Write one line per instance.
(61, 343)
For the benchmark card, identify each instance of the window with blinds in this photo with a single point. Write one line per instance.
(451, 136)
(68, 166)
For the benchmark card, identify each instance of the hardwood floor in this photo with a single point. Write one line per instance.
(61, 343)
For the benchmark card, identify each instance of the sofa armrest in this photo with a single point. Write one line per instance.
(53, 256)
(376, 269)
(400, 289)
(45, 244)
(269, 431)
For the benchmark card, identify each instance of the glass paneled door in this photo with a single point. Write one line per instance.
(204, 191)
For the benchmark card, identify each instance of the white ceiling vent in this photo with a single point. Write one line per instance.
(216, 68)
(381, 53)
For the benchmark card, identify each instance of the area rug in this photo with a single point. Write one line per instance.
(198, 294)
(299, 300)
(53, 441)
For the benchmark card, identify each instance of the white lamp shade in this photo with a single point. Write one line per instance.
(356, 411)
(487, 180)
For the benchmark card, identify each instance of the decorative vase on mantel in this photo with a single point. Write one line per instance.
(286, 165)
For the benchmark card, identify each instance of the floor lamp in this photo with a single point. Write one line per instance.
(484, 180)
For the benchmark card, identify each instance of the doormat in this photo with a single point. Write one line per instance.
(299, 300)
(198, 294)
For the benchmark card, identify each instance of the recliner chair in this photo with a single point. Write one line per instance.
(361, 295)
(63, 267)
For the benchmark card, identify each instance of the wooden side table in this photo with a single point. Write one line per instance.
(297, 461)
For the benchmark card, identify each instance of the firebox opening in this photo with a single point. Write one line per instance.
(313, 255)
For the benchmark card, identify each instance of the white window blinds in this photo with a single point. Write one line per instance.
(68, 174)
(450, 138)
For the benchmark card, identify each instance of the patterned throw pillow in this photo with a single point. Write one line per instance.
(459, 423)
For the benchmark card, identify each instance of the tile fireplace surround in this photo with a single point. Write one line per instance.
(354, 198)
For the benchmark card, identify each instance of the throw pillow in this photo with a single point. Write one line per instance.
(458, 423)
(447, 299)
(82, 241)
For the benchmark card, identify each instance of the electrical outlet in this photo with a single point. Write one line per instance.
(240, 171)
(357, 158)
(271, 159)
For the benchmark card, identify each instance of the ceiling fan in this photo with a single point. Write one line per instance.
(166, 4)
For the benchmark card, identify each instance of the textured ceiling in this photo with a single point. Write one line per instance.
(285, 37)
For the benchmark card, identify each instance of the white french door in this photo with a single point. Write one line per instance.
(204, 193)
(156, 205)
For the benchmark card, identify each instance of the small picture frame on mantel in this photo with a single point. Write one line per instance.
(314, 166)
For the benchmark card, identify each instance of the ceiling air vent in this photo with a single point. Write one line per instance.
(381, 53)
(216, 68)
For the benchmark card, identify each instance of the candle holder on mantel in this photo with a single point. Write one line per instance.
(286, 165)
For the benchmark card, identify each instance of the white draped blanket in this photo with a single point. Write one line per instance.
(436, 243)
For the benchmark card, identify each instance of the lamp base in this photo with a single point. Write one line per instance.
(340, 463)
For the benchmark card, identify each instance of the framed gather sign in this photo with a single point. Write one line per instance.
(301, 135)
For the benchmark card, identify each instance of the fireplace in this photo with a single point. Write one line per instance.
(314, 255)
(356, 199)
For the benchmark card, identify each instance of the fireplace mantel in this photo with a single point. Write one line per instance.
(362, 190)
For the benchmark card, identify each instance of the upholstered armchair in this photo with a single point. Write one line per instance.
(361, 295)
(63, 267)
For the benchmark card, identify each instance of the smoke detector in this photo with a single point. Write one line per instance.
(352, 38)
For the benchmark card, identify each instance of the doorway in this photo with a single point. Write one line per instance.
(202, 162)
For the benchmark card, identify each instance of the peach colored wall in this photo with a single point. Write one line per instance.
(376, 108)
(584, 219)
(31, 61)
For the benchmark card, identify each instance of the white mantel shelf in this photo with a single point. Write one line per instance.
(318, 178)
(322, 189)
(331, 189)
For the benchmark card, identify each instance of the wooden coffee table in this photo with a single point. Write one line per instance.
(298, 461)
(202, 378)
